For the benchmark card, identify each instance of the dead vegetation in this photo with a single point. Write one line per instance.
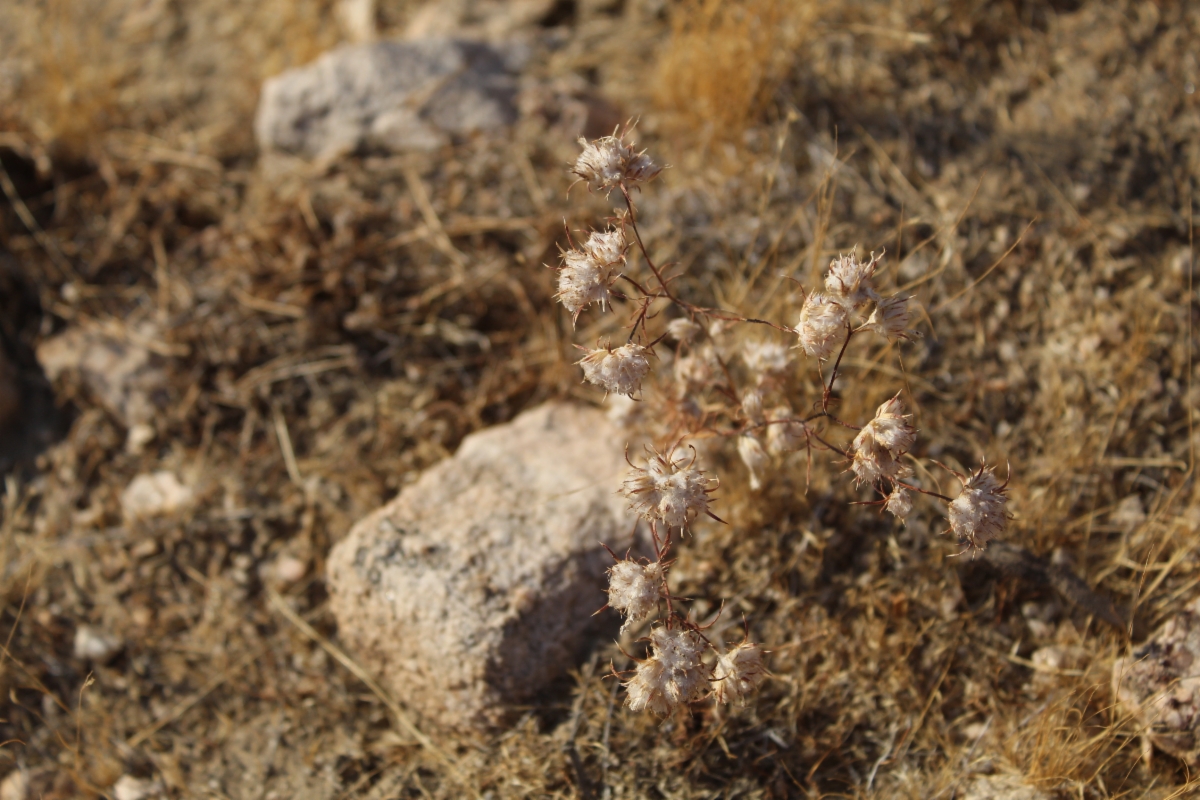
(322, 335)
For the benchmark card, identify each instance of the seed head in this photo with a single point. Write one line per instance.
(899, 502)
(633, 590)
(783, 437)
(608, 162)
(755, 457)
(667, 489)
(822, 322)
(588, 273)
(876, 450)
(766, 358)
(752, 406)
(738, 673)
(683, 330)
(849, 280)
(978, 514)
(672, 674)
(618, 371)
(890, 319)
(694, 370)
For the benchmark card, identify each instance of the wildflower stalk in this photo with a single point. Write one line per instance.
(668, 490)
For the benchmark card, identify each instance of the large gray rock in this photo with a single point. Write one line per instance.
(474, 588)
(1158, 684)
(391, 96)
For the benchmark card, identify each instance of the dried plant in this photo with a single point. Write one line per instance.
(703, 397)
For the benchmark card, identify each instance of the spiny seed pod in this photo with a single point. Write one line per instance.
(890, 319)
(619, 371)
(755, 457)
(633, 590)
(608, 162)
(849, 280)
(671, 675)
(822, 323)
(667, 490)
(978, 514)
(588, 273)
(738, 673)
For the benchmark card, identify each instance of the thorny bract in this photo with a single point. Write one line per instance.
(668, 489)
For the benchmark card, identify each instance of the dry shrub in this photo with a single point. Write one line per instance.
(724, 60)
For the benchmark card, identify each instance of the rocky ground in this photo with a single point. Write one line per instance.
(219, 353)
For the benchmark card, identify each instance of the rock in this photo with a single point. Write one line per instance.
(124, 377)
(154, 494)
(1159, 685)
(390, 96)
(475, 586)
(1002, 787)
(95, 645)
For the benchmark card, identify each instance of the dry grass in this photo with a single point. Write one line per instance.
(1029, 170)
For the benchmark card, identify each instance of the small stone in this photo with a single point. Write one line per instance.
(389, 96)
(1158, 684)
(128, 787)
(125, 378)
(474, 588)
(289, 569)
(92, 644)
(154, 494)
(140, 435)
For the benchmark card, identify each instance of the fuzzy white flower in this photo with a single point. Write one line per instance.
(876, 450)
(608, 162)
(619, 371)
(899, 502)
(822, 323)
(588, 273)
(890, 319)
(671, 675)
(752, 406)
(849, 280)
(633, 590)
(738, 673)
(783, 437)
(667, 489)
(978, 514)
(766, 358)
(755, 457)
(683, 330)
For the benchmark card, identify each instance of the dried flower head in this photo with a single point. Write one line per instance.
(738, 673)
(752, 406)
(899, 502)
(668, 489)
(849, 280)
(633, 590)
(588, 273)
(683, 330)
(783, 437)
(608, 162)
(619, 371)
(694, 370)
(822, 323)
(766, 358)
(671, 675)
(755, 457)
(876, 450)
(890, 319)
(978, 514)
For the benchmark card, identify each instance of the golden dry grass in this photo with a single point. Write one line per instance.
(1030, 171)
